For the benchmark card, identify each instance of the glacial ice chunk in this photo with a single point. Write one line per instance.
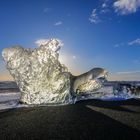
(42, 79)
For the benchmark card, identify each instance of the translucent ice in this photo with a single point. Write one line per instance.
(42, 79)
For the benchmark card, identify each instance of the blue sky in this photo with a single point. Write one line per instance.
(95, 33)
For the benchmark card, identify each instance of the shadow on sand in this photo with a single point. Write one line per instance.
(70, 122)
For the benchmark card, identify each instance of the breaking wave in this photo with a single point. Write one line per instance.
(111, 91)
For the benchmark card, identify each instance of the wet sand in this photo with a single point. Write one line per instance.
(86, 120)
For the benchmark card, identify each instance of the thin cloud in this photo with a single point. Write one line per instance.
(94, 17)
(121, 7)
(46, 10)
(98, 14)
(134, 42)
(125, 76)
(104, 5)
(58, 23)
(74, 57)
(116, 45)
(136, 62)
(128, 72)
(124, 7)
(119, 45)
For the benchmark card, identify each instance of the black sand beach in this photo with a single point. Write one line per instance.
(91, 119)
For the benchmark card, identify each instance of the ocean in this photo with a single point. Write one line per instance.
(10, 94)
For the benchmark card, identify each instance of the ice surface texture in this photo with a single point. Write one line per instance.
(42, 79)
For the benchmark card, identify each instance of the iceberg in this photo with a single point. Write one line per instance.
(42, 79)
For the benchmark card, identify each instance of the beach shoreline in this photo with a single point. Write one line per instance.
(90, 119)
